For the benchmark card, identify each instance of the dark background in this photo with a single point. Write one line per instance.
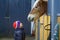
(12, 10)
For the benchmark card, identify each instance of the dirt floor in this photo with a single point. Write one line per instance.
(27, 38)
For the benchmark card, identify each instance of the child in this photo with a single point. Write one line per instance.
(19, 33)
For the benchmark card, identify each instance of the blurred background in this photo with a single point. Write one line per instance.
(10, 11)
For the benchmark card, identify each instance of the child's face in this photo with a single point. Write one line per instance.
(21, 25)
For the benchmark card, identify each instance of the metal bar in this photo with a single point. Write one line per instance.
(32, 23)
(38, 29)
(52, 6)
(52, 18)
(32, 2)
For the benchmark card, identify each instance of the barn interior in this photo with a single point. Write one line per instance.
(46, 27)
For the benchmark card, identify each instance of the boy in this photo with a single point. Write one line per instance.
(19, 33)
